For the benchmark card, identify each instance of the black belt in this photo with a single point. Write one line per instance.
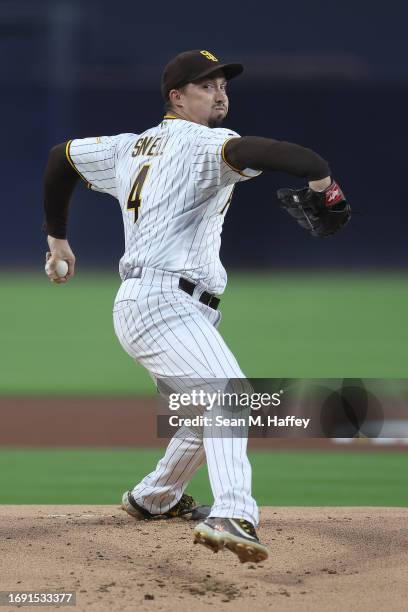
(205, 298)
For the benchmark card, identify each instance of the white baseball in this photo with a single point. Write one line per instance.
(61, 268)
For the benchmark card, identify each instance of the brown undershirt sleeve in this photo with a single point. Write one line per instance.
(60, 179)
(268, 154)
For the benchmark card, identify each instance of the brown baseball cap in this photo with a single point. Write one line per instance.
(191, 66)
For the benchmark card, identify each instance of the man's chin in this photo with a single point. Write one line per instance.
(217, 120)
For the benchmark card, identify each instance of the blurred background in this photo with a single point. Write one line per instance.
(331, 76)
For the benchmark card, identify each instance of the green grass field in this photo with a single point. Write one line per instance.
(60, 339)
(280, 478)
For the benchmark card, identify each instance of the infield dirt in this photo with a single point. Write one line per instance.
(320, 559)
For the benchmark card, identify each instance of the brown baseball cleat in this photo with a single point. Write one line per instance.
(238, 535)
(186, 508)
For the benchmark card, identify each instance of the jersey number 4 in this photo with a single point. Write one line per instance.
(135, 196)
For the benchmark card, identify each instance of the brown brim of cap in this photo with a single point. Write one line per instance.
(230, 71)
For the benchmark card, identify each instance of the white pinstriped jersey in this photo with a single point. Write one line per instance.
(174, 187)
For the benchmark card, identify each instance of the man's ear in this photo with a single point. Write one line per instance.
(175, 97)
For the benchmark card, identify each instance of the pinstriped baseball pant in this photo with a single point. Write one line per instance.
(174, 337)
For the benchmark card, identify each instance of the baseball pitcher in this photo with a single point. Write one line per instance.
(174, 183)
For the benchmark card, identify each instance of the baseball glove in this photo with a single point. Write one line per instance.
(321, 213)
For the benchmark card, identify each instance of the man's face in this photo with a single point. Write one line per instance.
(204, 101)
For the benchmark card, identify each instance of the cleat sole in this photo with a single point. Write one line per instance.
(246, 552)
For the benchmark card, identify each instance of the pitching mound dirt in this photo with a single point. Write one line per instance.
(320, 559)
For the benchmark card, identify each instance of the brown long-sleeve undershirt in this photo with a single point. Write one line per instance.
(268, 154)
(253, 152)
(60, 179)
